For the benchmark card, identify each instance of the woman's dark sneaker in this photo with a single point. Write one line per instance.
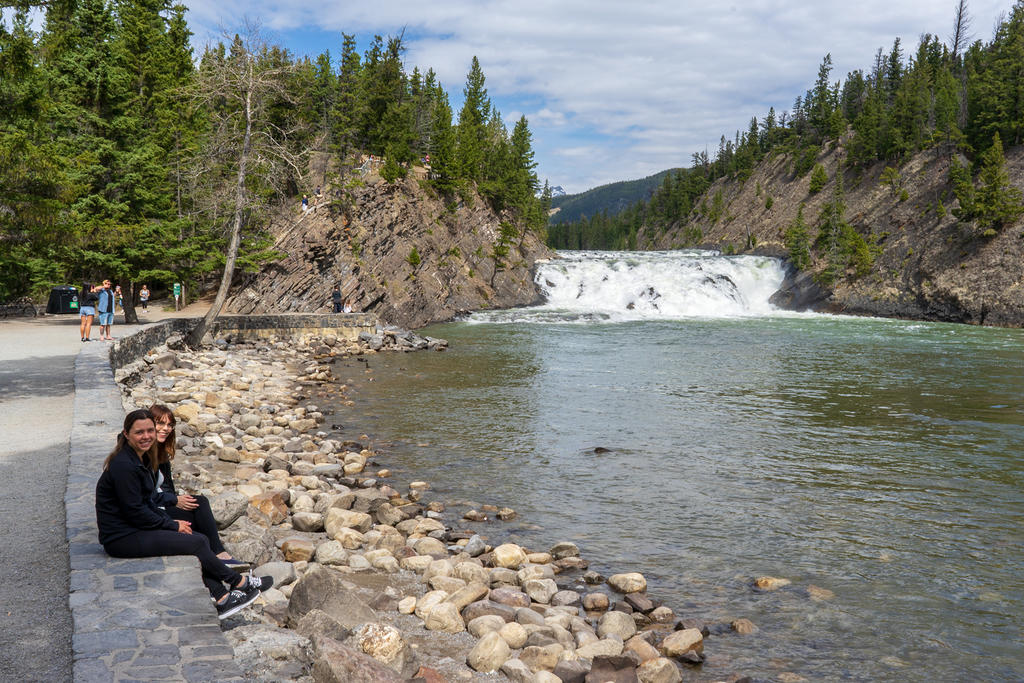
(260, 583)
(236, 601)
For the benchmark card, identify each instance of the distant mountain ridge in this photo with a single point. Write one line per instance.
(611, 198)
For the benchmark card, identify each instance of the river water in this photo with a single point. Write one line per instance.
(876, 464)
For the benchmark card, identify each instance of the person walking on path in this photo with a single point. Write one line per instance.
(87, 311)
(192, 509)
(336, 298)
(144, 297)
(305, 203)
(105, 308)
(132, 525)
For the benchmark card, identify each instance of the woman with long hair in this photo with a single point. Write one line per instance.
(87, 310)
(193, 509)
(132, 525)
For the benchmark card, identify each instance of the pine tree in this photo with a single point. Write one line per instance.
(798, 241)
(347, 102)
(963, 189)
(471, 129)
(818, 179)
(443, 168)
(996, 92)
(31, 183)
(997, 202)
(831, 224)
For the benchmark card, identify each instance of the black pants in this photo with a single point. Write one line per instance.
(337, 307)
(158, 542)
(202, 521)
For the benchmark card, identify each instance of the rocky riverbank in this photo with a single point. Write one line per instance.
(371, 584)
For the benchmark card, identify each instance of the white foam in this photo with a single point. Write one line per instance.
(588, 286)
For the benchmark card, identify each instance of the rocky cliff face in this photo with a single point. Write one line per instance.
(929, 265)
(396, 251)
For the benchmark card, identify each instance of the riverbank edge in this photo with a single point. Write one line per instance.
(150, 618)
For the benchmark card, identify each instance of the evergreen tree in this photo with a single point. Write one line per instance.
(31, 185)
(471, 132)
(997, 90)
(798, 241)
(831, 224)
(997, 202)
(963, 188)
(347, 102)
(443, 168)
(818, 179)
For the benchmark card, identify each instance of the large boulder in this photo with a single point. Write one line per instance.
(339, 518)
(268, 653)
(322, 588)
(659, 670)
(444, 617)
(318, 623)
(227, 508)
(509, 555)
(385, 644)
(616, 623)
(631, 582)
(271, 504)
(250, 542)
(681, 642)
(613, 669)
(336, 663)
(468, 594)
(489, 653)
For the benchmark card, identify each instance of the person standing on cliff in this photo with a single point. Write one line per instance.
(336, 298)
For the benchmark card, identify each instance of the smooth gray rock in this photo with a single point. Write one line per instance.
(323, 589)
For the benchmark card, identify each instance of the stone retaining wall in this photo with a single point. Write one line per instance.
(297, 325)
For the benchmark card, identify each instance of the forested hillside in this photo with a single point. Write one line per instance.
(960, 101)
(123, 156)
(609, 199)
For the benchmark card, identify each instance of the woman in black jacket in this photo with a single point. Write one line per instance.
(132, 525)
(192, 509)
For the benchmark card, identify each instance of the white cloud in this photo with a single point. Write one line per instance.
(643, 84)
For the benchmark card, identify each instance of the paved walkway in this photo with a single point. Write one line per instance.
(37, 361)
(37, 391)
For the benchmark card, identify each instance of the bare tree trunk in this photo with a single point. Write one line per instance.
(128, 304)
(195, 337)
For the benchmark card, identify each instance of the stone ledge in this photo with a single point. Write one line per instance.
(295, 325)
(144, 619)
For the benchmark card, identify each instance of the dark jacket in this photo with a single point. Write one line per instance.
(166, 496)
(124, 499)
(90, 299)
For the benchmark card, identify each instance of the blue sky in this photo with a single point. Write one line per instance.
(614, 90)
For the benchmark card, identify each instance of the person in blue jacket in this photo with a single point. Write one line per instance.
(106, 300)
(132, 525)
